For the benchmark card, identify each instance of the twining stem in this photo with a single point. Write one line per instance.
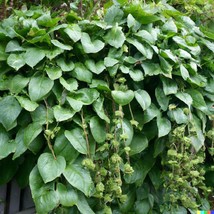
(85, 133)
(130, 109)
(48, 137)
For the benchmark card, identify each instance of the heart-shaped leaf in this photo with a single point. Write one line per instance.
(122, 97)
(91, 46)
(49, 167)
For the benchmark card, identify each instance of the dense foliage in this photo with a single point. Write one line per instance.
(109, 115)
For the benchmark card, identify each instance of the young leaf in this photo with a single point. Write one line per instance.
(10, 110)
(49, 167)
(123, 97)
(79, 178)
(77, 140)
(143, 98)
(164, 126)
(91, 46)
(98, 131)
(115, 37)
(39, 87)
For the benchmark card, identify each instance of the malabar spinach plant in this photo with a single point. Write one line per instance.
(107, 116)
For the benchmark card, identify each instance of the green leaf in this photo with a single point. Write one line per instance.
(115, 37)
(170, 26)
(65, 66)
(7, 146)
(76, 105)
(136, 75)
(126, 128)
(162, 99)
(51, 54)
(61, 45)
(31, 132)
(16, 61)
(198, 100)
(10, 110)
(62, 114)
(44, 195)
(79, 178)
(164, 126)
(97, 68)
(62, 147)
(113, 15)
(150, 113)
(33, 56)
(13, 46)
(40, 115)
(109, 62)
(123, 97)
(138, 143)
(18, 83)
(145, 49)
(77, 140)
(151, 69)
(140, 14)
(71, 84)
(91, 46)
(67, 196)
(142, 207)
(166, 67)
(74, 32)
(86, 95)
(20, 146)
(49, 167)
(178, 116)
(168, 55)
(169, 86)
(83, 206)
(26, 103)
(143, 98)
(39, 87)
(185, 97)
(53, 72)
(82, 73)
(98, 108)
(184, 72)
(146, 36)
(100, 85)
(97, 128)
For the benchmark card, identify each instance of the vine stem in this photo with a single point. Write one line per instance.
(130, 109)
(47, 126)
(85, 133)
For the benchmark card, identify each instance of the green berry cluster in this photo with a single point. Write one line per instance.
(183, 175)
(110, 163)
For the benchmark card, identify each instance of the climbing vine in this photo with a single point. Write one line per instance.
(111, 114)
